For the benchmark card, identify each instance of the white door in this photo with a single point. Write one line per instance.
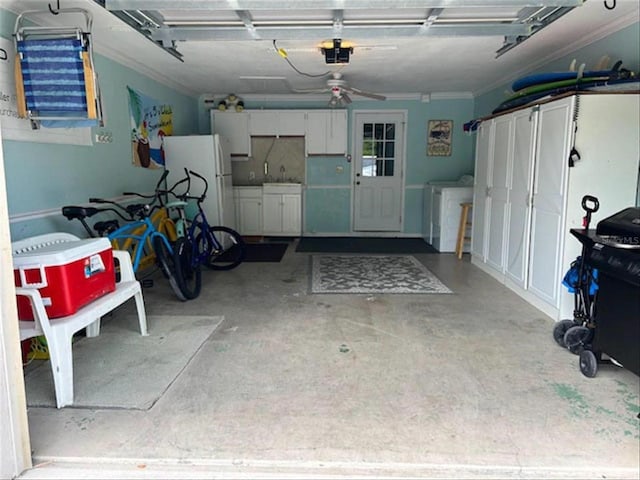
(518, 224)
(379, 163)
(552, 153)
(484, 150)
(499, 167)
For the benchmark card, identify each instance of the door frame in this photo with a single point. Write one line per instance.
(14, 437)
(403, 178)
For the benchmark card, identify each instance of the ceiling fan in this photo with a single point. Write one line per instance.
(340, 91)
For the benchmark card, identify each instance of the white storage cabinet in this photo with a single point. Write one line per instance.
(527, 197)
(248, 203)
(282, 209)
(234, 126)
(326, 132)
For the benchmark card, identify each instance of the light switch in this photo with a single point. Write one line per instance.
(339, 169)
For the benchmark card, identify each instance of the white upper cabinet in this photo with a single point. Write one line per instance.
(234, 127)
(326, 132)
(277, 122)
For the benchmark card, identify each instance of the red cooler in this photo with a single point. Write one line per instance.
(68, 275)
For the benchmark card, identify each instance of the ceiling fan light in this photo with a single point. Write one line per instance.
(333, 102)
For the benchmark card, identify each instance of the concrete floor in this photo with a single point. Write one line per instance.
(469, 385)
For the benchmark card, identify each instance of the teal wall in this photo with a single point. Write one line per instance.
(42, 176)
(328, 202)
(622, 45)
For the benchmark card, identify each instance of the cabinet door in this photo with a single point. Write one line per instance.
(291, 122)
(550, 181)
(291, 214)
(499, 165)
(272, 213)
(336, 131)
(316, 132)
(520, 185)
(250, 216)
(263, 122)
(235, 128)
(484, 147)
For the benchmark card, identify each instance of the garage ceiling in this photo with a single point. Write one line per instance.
(399, 46)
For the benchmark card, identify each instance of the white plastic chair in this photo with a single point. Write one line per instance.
(59, 331)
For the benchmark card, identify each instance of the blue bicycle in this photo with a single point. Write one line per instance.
(215, 246)
(137, 235)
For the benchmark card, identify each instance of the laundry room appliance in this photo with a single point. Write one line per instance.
(442, 212)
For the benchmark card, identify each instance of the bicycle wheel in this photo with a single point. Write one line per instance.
(225, 247)
(166, 263)
(188, 274)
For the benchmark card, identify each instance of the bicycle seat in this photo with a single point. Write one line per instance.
(106, 227)
(74, 212)
(136, 208)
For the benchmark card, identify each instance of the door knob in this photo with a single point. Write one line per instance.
(357, 174)
(357, 183)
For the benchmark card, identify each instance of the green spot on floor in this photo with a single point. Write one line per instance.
(577, 401)
(605, 410)
(627, 433)
(633, 408)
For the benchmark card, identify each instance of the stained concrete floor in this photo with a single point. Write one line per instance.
(469, 385)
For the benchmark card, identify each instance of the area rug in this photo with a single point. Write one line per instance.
(120, 369)
(364, 245)
(372, 274)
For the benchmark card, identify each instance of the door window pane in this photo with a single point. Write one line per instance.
(367, 130)
(388, 168)
(369, 167)
(379, 131)
(379, 149)
(390, 131)
(389, 149)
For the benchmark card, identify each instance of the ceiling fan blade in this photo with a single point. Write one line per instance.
(355, 91)
(345, 99)
(310, 90)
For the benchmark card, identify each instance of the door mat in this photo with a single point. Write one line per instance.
(265, 252)
(363, 245)
(120, 369)
(372, 274)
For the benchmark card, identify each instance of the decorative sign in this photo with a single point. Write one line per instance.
(439, 138)
(16, 128)
(151, 121)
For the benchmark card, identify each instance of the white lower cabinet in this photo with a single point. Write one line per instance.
(248, 203)
(282, 210)
(527, 196)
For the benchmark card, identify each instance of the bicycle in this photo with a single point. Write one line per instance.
(215, 246)
(138, 233)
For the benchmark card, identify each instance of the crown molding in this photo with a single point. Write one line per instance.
(451, 96)
(322, 97)
(594, 36)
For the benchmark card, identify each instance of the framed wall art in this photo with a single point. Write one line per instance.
(439, 134)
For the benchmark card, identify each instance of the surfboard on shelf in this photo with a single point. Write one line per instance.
(557, 84)
(624, 84)
(550, 77)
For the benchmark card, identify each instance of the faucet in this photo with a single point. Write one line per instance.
(282, 171)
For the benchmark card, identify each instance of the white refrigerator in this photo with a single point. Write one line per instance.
(209, 156)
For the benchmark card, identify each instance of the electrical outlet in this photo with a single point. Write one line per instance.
(104, 137)
(252, 175)
(339, 169)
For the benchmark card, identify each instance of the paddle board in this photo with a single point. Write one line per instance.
(548, 77)
(605, 85)
(558, 84)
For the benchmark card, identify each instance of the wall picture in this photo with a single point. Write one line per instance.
(439, 134)
(151, 121)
